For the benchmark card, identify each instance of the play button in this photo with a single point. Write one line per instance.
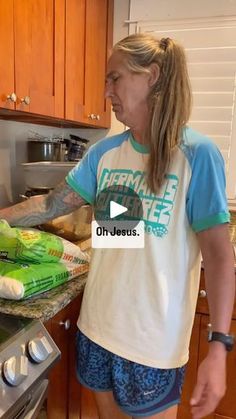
(118, 207)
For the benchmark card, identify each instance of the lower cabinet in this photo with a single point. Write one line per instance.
(88, 405)
(64, 394)
(198, 350)
(67, 399)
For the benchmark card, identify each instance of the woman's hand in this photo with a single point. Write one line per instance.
(211, 382)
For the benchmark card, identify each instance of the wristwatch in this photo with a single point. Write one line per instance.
(227, 340)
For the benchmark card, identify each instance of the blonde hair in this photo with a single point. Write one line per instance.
(170, 98)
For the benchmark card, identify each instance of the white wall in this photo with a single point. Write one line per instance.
(180, 9)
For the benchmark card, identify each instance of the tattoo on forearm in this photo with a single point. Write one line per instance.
(40, 209)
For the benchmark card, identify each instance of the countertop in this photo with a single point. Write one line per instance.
(44, 306)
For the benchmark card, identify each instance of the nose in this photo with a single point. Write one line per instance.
(108, 89)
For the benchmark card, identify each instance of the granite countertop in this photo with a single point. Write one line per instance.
(44, 306)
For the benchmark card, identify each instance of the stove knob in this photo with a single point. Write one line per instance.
(15, 369)
(39, 349)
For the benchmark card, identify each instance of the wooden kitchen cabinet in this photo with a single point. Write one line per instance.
(88, 405)
(198, 350)
(63, 400)
(89, 26)
(32, 56)
(7, 75)
(53, 61)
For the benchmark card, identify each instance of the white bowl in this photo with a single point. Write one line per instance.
(45, 174)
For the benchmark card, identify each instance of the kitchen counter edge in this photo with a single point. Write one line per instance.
(46, 305)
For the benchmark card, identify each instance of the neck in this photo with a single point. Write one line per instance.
(139, 136)
(139, 128)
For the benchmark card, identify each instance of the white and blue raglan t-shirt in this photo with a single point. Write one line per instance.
(140, 303)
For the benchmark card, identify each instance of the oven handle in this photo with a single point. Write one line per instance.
(37, 401)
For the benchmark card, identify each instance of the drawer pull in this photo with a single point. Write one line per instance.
(202, 294)
(93, 116)
(25, 100)
(66, 324)
(12, 97)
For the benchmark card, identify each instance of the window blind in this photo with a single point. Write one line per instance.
(210, 46)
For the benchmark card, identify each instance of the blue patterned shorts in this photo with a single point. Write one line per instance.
(138, 390)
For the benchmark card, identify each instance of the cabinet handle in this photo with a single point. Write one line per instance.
(12, 97)
(202, 294)
(94, 116)
(25, 100)
(66, 324)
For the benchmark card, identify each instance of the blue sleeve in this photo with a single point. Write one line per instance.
(206, 198)
(83, 177)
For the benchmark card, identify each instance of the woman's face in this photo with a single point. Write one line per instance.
(128, 91)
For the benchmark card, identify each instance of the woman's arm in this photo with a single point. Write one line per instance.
(218, 259)
(42, 208)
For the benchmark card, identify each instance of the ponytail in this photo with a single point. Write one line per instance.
(171, 107)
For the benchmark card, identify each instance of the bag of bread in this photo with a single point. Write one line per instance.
(22, 280)
(32, 245)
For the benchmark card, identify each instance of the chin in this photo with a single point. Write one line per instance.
(119, 117)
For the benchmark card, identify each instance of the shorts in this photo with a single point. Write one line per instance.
(138, 390)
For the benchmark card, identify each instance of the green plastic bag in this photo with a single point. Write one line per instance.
(22, 280)
(32, 245)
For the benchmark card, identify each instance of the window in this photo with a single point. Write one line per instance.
(210, 45)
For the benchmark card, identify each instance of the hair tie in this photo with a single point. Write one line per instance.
(164, 43)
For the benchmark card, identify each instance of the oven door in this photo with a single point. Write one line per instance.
(32, 408)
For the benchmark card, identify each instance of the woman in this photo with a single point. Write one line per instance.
(139, 304)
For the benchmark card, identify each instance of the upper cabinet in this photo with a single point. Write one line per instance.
(7, 79)
(88, 41)
(32, 56)
(53, 61)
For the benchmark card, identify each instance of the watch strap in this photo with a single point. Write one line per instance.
(227, 340)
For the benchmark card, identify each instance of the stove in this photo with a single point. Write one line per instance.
(27, 353)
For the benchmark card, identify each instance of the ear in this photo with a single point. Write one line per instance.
(154, 74)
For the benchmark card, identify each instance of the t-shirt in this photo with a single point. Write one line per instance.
(140, 303)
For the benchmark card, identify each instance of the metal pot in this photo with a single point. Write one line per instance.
(76, 147)
(41, 150)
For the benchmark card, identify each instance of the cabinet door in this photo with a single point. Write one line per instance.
(98, 20)
(81, 403)
(227, 407)
(88, 405)
(39, 56)
(59, 377)
(191, 372)
(88, 39)
(75, 59)
(7, 84)
(74, 394)
(64, 390)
